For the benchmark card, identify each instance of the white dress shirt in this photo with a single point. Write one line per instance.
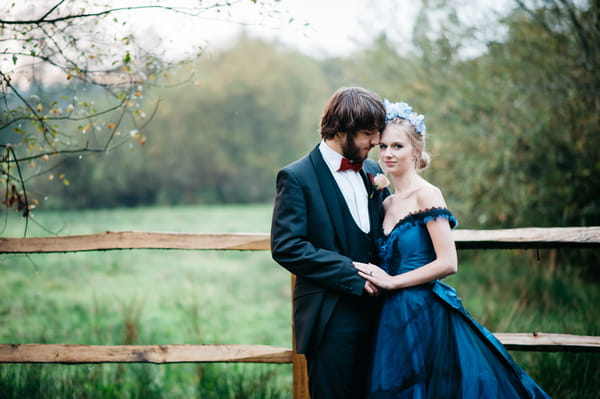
(351, 185)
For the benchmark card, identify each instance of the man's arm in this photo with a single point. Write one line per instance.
(291, 248)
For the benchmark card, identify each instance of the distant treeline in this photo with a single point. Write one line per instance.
(514, 132)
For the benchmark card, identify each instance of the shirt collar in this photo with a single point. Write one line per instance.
(332, 158)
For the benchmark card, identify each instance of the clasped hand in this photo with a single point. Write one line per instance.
(374, 275)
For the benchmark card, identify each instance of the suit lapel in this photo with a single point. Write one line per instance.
(370, 196)
(332, 196)
(375, 198)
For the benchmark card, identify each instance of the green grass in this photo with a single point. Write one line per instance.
(146, 297)
(514, 291)
(191, 297)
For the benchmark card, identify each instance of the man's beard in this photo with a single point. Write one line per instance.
(350, 150)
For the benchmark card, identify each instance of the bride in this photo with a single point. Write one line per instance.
(427, 344)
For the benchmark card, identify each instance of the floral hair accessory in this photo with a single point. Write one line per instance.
(404, 111)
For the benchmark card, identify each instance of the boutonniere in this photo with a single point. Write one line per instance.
(379, 182)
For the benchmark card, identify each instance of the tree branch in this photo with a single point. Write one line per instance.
(53, 8)
(36, 117)
(178, 10)
(48, 153)
(534, 16)
(579, 30)
(25, 204)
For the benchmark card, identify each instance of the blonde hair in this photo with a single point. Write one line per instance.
(417, 140)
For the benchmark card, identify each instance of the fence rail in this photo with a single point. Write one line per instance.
(529, 237)
(161, 354)
(73, 354)
(532, 238)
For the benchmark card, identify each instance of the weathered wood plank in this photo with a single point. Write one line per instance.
(72, 354)
(299, 370)
(135, 240)
(541, 342)
(552, 237)
(529, 237)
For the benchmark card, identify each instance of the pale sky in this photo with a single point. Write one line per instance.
(335, 27)
(317, 27)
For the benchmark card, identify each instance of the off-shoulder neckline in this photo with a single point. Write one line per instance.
(419, 214)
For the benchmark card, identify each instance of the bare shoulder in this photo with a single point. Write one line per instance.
(387, 202)
(430, 196)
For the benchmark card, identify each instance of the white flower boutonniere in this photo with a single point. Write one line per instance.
(379, 182)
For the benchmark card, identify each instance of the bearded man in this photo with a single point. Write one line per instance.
(327, 214)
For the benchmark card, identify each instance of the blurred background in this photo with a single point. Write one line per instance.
(150, 115)
(510, 96)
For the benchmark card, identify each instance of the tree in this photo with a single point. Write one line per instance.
(514, 129)
(57, 58)
(535, 102)
(566, 54)
(219, 140)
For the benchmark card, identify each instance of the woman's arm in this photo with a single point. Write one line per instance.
(444, 265)
(446, 260)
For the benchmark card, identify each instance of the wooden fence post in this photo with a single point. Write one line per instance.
(300, 375)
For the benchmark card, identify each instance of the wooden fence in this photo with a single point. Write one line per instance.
(531, 238)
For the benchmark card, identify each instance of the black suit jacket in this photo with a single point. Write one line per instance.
(308, 238)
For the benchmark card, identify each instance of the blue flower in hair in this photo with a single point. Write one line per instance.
(404, 111)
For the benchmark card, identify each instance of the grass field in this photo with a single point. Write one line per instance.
(190, 297)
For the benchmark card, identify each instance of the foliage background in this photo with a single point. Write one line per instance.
(513, 131)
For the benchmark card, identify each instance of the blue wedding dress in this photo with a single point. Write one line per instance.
(428, 346)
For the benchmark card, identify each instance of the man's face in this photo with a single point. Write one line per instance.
(357, 148)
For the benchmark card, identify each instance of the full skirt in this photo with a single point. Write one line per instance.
(429, 347)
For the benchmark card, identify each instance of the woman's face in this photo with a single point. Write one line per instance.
(396, 152)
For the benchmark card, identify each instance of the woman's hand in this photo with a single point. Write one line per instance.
(375, 275)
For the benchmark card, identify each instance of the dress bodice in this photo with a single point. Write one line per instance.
(408, 246)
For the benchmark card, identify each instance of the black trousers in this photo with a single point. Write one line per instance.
(339, 367)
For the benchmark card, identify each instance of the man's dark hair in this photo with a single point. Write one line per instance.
(351, 109)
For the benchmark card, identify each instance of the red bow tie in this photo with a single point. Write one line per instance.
(348, 164)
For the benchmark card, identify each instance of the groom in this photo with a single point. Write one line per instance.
(327, 214)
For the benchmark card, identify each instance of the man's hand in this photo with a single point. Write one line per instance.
(372, 289)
